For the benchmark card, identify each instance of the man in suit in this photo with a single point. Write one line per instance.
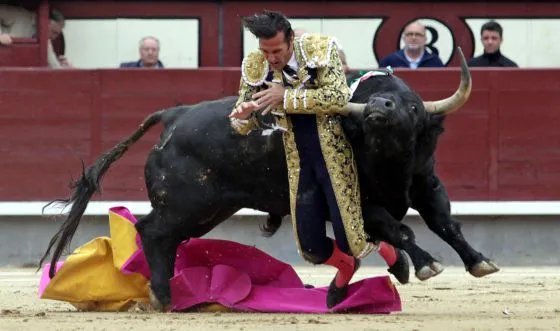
(149, 55)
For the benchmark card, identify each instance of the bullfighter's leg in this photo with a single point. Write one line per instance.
(430, 199)
(382, 226)
(317, 248)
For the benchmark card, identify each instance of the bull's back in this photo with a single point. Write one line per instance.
(198, 142)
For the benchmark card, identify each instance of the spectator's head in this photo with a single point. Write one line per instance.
(275, 34)
(148, 48)
(56, 24)
(491, 36)
(299, 32)
(414, 37)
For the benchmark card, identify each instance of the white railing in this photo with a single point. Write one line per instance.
(459, 208)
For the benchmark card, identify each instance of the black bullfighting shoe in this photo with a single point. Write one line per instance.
(401, 268)
(335, 294)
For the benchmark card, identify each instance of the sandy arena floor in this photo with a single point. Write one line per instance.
(513, 299)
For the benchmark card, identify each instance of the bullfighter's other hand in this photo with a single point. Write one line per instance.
(271, 97)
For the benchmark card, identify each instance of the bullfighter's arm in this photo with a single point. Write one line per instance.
(244, 127)
(331, 96)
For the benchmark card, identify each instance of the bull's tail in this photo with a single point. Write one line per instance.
(273, 223)
(86, 186)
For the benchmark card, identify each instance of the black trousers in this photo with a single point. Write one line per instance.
(316, 200)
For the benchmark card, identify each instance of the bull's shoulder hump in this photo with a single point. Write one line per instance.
(254, 68)
(316, 49)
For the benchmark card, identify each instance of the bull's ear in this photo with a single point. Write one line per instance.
(460, 96)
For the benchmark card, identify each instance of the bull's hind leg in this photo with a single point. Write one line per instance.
(380, 225)
(161, 234)
(430, 199)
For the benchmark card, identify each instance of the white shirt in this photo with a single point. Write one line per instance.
(413, 63)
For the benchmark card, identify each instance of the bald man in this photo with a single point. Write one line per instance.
(414, 54)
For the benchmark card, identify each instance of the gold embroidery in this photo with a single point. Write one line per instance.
(333, 93)
(316, 50)
(344, 178)
(254, 69)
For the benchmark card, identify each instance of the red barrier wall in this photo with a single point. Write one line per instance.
(503, 145)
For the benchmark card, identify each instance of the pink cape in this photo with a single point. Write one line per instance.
(243, 278)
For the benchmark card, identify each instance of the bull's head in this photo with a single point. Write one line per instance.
(444, 107)
(395, 121)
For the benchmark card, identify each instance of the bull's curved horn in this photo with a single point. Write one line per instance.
(458, 99)
(357, 108)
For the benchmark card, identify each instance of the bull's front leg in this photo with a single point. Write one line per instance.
(380, 225)
(430, 199)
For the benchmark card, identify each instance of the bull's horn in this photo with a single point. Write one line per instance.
(357, 108)
(458, 99)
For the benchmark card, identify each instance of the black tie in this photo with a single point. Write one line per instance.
(290, 72)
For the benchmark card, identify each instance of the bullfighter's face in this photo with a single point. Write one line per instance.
(277, 50)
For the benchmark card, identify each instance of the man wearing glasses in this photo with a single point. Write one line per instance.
(414, 54)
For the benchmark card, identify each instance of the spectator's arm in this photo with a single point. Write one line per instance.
(51, 56)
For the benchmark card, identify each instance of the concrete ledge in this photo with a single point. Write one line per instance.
(458, 208)
(509, 240)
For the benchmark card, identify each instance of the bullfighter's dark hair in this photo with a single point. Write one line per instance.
(267, 24)
(492, 26)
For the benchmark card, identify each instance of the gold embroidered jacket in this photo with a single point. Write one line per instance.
(323, 97)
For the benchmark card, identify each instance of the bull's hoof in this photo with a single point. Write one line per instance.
(156, 304)
(400, 269)
(429, 271)
(484, 268)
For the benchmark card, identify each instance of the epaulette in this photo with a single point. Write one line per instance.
(316, 49)
(254, 69)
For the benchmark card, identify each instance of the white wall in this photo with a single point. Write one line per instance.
(105, 43)
(529, 42)
(354, 35)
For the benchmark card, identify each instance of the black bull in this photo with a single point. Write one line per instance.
(201, 173)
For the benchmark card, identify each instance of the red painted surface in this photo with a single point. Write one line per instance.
(24, 52)
(504, 144)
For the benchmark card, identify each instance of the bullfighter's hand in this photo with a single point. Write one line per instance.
(244, 110)
(271, 97)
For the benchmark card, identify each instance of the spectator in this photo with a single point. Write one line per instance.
(56, 26)
(491, 35)
(414, 54)
(149, 55)
(299, 32)
(18, 22)
(15, 22)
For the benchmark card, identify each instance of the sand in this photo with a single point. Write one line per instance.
(513, 299)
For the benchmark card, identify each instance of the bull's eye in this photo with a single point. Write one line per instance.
(413, 108)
